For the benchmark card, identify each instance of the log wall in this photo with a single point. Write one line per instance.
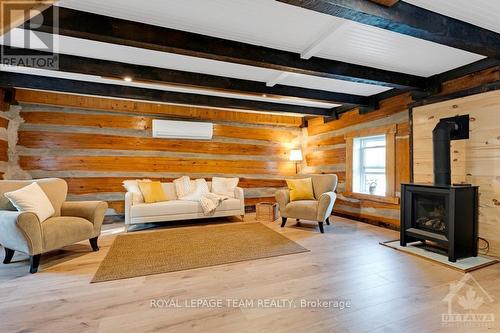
(95, 143)
(474, 161)
(325, 152)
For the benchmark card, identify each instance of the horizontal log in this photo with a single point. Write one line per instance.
(366, 217)
(80, 185)
(335, 140)
(387, 108)
(178, 111)
(145, 123)
(327, 157)
(29, 81)
(53, 140)
(366, 204)
(152, 164)
(470, 81)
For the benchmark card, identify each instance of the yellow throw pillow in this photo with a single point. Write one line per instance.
(152, 191)
(300, 189)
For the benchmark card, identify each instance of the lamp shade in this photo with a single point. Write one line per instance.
(295, 155)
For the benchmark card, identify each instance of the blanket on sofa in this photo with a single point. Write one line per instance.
(208, 201)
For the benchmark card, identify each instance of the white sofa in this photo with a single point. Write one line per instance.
(174, 210)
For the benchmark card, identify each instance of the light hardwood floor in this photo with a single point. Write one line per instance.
(389, 291)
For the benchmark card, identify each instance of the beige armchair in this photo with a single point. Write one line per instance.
(72, 222)
(319, 209)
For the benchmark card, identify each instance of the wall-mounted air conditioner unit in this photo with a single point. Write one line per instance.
(173, 129)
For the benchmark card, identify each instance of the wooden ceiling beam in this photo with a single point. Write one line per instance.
(410, 20)
(146, 74)
(17, 80)
(106, 29)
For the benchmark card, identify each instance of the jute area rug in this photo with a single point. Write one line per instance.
(146, 253)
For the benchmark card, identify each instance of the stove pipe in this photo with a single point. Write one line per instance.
(441, 140)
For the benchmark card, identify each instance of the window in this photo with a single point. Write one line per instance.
(369, 174)
(371, 164)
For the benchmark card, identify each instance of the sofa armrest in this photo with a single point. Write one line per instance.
(239, 194)
(92, 211)
(325, 205)
(21, 231)
(129, 201)
(282, 198)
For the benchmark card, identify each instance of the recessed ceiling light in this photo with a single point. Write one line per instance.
(127, 78)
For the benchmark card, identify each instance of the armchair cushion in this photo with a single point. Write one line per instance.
(302, 209)
(63, 230)
(92, 211)
(32, 198)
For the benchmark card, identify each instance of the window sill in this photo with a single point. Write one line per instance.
(371, 197)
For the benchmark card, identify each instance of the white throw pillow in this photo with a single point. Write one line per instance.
(133, 187)
(224, 186)
(32, 199)
(201, 189)
(184, 186)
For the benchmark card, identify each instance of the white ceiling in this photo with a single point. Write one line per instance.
(483, 13)
(277, 25)
(268, 23)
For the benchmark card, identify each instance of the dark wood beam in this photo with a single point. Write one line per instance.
(16, 80)
(410, 20)
(117, 31)
(146, 74)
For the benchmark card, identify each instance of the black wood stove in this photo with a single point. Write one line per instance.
(442, 213)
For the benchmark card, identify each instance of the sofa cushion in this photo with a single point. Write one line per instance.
(303, 209)
(152, 191)
(33, 199)
(183, 186)
(65, 230)
(131, 185)
(224, 186)
(178, 207)
(169, 190)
